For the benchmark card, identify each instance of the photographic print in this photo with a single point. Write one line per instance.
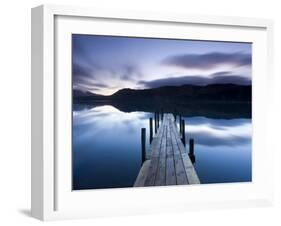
(156, 112)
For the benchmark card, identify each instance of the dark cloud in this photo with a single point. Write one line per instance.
(84, 79)
(130, 72)
(208, 60)
(81, 71)
(196, 80)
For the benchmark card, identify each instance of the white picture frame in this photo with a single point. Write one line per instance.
(50, 26)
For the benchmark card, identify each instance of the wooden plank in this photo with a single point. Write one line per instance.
(170, 168)
(170, 163)
(142, 174)
(151, 175)
(191, 174)
(179, 166)
(161, 171)
(155, 145)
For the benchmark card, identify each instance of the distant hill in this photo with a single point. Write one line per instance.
(191, 93)
(218, 92)
(80, 94)
(216, 101)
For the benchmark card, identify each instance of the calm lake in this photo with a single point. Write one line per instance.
(107, 147)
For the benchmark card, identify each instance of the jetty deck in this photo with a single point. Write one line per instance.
(169, 162)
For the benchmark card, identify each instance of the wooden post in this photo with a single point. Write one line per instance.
(162, 114)
(191, 147)
(180, 128)
(143, 138)
(155, 122)
(180, 124)
(150, 130)
(183, 132)
(158, 119)
(175, 114)
(191, 151)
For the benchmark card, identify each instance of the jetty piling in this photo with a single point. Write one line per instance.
(150, 130)
(155, 122)
(183, 131)
(191, 150)
(143, 138)
(158, 120)
(175, 114)
(180, 125)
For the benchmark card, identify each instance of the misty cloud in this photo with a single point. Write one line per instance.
(95, 77)
(105, 64)
(196, 80)
(130, 72)
(209, 60)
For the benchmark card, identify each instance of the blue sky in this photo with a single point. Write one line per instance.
(105, 64)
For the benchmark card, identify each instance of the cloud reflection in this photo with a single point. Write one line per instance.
(219, 132)
(99, 120)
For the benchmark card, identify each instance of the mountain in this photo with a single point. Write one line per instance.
(216, 92)
(184, 93)
(80, 94)
(216, 101)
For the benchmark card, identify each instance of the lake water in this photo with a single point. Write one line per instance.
(107, 147)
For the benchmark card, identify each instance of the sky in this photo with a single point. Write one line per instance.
(106, 64)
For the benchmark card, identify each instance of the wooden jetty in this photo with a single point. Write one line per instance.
(169, 162)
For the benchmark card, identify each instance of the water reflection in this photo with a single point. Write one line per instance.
(219, 132)
(222, 148)
(107, 147)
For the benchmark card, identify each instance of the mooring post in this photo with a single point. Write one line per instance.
(191, 151)
(180, 128)
(191, 146)
(180, 124)
(158, 119)
(150, 130)
(155, 122)
(143, 138)
(183, 131)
